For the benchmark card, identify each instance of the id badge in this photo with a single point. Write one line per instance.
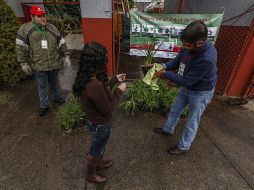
(181, 69)
(44, 44)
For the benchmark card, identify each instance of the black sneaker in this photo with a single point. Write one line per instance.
(176, 151)
(59, 100)
(161, 132)
(43, 111)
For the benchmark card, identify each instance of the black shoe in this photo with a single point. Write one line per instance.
(43, 111)
(176, 151)
(59, 100)
(160, 131)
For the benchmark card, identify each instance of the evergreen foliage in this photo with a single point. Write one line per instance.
(140, 97)
(10, 70)
(70, 113)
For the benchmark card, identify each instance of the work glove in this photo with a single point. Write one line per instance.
(25, 67)
(67, 62)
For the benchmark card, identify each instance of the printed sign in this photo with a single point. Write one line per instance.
(165, 30)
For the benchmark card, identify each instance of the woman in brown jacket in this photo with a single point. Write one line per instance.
(94, 90)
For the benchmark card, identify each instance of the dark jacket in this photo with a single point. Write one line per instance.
(98, 102)
(195, 71)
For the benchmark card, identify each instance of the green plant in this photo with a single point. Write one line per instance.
(131, 3)
(65, 17)
(57, 21)
(10, 70)
(151, 49)
(141, 98)
(70, 113)
(4, 97)
(185, 112)
(129, 105)
(65, 23)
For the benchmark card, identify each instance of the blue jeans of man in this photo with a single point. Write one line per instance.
(197, 102)
(100, 135)
(44, 78)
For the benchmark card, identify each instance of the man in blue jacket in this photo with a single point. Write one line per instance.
(196, 65)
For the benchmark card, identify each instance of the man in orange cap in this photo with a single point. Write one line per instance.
(41, 45)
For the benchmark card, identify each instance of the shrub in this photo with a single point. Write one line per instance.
(140, 97)
(70, 113)
(67, 18)
(57, 22)
(64, 23)
(10, 70)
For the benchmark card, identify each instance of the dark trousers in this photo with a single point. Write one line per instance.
(45, 78)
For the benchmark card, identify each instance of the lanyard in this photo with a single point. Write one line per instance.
(42, 32)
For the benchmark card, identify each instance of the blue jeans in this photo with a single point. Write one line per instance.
(100, 135)
(197, 102)
(44, 78)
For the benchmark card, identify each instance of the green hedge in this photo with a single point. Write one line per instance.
(10, 71)
(67, 18)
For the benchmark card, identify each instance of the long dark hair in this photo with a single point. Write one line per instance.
(92, 63)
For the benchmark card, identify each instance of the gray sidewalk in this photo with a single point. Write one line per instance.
(35, 154)
(221, 156)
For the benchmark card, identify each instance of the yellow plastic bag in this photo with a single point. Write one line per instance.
(148, 78)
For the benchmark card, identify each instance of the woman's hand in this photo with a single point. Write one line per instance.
(122, 86)
(121, 77)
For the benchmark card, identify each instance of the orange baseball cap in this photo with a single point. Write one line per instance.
(37, 10)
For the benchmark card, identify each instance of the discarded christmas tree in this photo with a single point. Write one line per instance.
(10, 71)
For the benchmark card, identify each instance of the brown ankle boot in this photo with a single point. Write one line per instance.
(92, 164)
(104, 163)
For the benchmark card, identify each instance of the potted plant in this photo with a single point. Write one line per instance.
(150, 48)
(141, 98)
(70, 114)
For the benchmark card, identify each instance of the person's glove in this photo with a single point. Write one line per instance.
(25, 67)
(67, 62)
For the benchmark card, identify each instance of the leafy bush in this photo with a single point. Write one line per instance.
(57, 21)
(4, 97)
(131, 3)
(65, 24)
(10, 70)
(141, 98)
(70, 113)
(67, 18)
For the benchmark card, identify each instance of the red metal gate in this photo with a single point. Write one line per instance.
(241, 81)
(229, 44)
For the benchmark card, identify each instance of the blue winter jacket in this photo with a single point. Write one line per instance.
(195, 71)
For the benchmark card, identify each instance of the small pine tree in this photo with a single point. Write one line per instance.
(10, 71)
